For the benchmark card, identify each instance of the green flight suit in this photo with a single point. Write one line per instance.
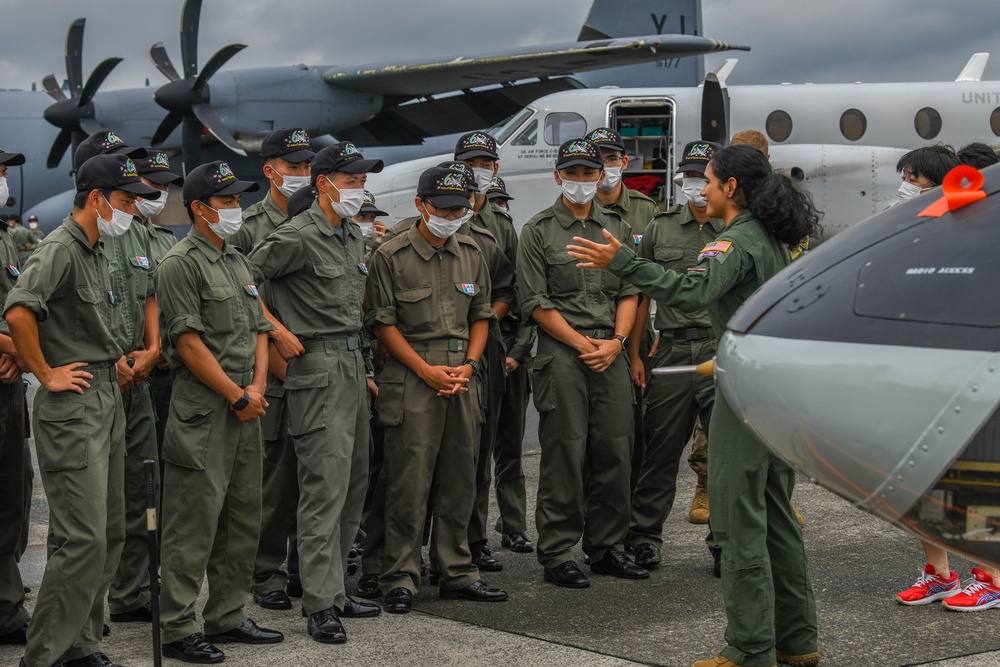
(583, 485)
(80, 442)
(212, 461)
(23, 237)
(281, 479)
(765, 584)
(132, 281)
(674, 240)
(161, 240)
(15, 480)
(317, 277)
(433, 296)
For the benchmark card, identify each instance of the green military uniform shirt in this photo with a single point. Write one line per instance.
(427, 304)
(674, 239)
(548, 277)
(11, 268)
(636, 209)
(67, 285)
(317, 277)
(259, 220)
(161, 240)
(22, 239)
(728, 271)
(499, 223)
(211, 291)
(131, 281)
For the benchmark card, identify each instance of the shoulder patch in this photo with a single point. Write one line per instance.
(718, 246)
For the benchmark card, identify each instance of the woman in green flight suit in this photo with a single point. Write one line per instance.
(768, 598)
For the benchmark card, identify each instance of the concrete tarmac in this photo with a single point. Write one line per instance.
(857, 564)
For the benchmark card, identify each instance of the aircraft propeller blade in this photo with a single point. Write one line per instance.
(158, 54)
(74, 57)
(59, 146)
(215, 63)
(714, 110)
(89, 126)
(95, 80)
(167, 126)
(190, 16)
(211, 121)
(51, 86)
(190, 144)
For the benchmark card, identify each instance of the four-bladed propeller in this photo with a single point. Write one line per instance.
(74, 116)
(187, 98)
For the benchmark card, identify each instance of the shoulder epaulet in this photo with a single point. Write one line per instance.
(253, 209)
(165, 230)
(541, 216)
(467, 240)
(393, 244)
(482, 231)
(635, 194)
(673, 210)
(503, 213)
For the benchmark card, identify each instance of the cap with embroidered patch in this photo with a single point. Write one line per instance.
(214, 179)
(497, 189)
(11, 159)
(369, 206)
(605, 137)
(102, 143)
(445, 188)
(696, 156)
(113, 172)
(344, 157)
(290, 144)
(579, 152)
(476, 144)
(470, 176)
(156, 168)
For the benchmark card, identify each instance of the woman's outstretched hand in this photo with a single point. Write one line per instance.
(594, 255)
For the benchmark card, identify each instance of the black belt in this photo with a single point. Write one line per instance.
(688, 333)
(101, 373)
(599, 334)
(439, 345)
(349, 342)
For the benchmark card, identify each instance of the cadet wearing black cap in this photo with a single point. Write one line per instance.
(428, 299)
(371, 228)
(15, 458)
(580, 377)
(104, 142)
(315, 266)
(285, 156)
(214, 337)
(60, 317)
(497, 192)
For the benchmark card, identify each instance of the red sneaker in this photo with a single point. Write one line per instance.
(981, 594)
(930, 587)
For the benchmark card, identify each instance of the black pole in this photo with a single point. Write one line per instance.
(149, 468)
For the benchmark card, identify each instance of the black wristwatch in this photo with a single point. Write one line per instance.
(242, 403)
(623, 340)
(472, 362)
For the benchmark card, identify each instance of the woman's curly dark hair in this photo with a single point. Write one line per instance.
(785, 210)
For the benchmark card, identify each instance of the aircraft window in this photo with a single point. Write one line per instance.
(561, 127)
(995, 121)
(528, 136)
(504, 132)
(927, 122)
(778, 125)
(853, 124)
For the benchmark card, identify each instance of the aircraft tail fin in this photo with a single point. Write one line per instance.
(973, 70)
(628, 18)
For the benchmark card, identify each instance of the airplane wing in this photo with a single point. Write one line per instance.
(420, 78)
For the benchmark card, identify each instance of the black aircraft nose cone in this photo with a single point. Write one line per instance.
(179, 96)
(67, 115)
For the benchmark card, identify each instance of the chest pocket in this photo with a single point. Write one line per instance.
(413, 309)
(670, 257)
(562, 276)
(218, 308)
(92, 301)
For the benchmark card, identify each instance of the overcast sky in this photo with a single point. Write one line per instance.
(792, 40)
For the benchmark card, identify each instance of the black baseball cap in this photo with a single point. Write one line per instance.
(112, 172)
(370, 206)
(101, 143)
(579, 152)
(476, 144)
(301, 200)
(445, 188)
(497, 189)
(345, 157)
(11, 159)
(605, 137)
(696, 156)
(214, 179)
(290, 144)
(156, 168)
(470, 176)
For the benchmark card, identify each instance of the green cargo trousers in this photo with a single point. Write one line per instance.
(130, 585)
(428, 437)
(280, 490)
(328, 419)
(13, 481)
(211, 503)
(493, 384)
(80, 441)
(586, 432)
(765, 584)
(508, 469)
(673, 405)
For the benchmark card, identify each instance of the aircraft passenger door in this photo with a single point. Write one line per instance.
(647, 128)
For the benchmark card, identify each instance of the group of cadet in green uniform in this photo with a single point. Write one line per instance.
(337, 392)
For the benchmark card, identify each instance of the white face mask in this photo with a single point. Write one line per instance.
(290, 184)
(230, 221)
(579, 192)
(692, 187)
(151, 207)
(32, 225)
(117, 225)
(4, 191)
(367, 231)
(483, 178)
(442, 227)
(908, 191)
(612, 177)
(351, 201)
